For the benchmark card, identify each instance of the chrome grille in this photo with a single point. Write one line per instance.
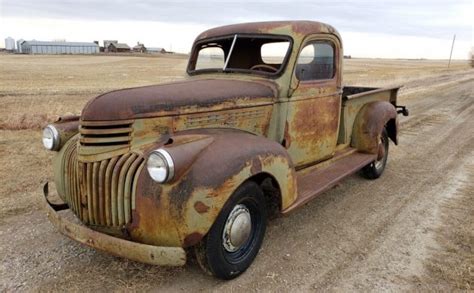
(101, 193)
(105, 133)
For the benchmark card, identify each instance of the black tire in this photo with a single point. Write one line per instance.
(212, 254)
(375, 169)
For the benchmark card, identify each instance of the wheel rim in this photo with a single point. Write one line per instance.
(237, 228)
(380, 162)
(239, 235)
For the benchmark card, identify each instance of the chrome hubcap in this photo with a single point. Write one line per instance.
(381, 154)
(237, 228)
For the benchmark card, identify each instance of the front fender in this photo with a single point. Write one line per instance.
(67, 126)
(210, 165)
(369, 123)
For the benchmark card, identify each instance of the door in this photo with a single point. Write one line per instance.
(314, 107)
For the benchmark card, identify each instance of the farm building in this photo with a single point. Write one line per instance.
(140, 48)
(118, 47)
(156, 50)
(18, 45)
(40, 47)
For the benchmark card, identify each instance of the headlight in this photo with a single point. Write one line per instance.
(51, 137)
(160, 166)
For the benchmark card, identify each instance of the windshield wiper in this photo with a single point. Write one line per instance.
(230, 53)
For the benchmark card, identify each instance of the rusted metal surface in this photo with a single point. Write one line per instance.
(154, 255)
(354, 99)
(180, 213)
(323, 177)
(67, 127)
(291, 28)
(100, 192)
(369, 124)
(178, 98)
(313, 113)
(221, 130)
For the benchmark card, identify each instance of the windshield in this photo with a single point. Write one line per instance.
(241, 53)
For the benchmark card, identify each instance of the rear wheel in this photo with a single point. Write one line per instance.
(375, 169)
(235, 238)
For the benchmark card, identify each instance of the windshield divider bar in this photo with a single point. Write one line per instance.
(230, 53)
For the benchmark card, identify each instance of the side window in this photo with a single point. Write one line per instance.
(210, 58)
(316, 61)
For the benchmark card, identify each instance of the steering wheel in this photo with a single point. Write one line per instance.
(264, 67)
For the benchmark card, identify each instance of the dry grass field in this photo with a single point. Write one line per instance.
(413, 229)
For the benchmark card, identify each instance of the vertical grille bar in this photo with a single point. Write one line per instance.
(89, 193)
(68, 184)
(115, 183)
(83, 191)
(134, 186)
(95, 191)
(71, 184)
(127, 200)
(121, 185)
(73, 175)
(108, 190)
(102, 169)
(67, 171)
(77, 193)
(101, 192)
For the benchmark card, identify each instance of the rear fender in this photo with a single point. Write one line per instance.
(208, 170)
(369, 123)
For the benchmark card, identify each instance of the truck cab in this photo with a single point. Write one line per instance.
(308, 83)
(260, 126)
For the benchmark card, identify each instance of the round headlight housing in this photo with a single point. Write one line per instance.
(160, 166)
(51, 138)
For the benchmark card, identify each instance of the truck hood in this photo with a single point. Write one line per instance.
(183, 97)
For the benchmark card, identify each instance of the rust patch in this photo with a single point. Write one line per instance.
(312, 126)
(135, 221)
(192, 239)
(151, 191)
(190, 96)
(256, 166)
(291, 28)
(200, 207)
(369, 123)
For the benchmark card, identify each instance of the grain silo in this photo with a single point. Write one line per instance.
(9, 44)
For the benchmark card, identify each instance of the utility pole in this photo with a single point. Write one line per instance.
(451, 54)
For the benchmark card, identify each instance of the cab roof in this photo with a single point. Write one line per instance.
(299, 28)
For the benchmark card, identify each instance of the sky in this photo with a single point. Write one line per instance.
(379, 29)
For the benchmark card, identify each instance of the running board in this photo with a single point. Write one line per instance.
(317, 181)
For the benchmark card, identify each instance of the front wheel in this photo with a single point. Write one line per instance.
(235, 238)
(375, 169)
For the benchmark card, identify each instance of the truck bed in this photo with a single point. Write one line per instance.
(353, 92)
(353, 99)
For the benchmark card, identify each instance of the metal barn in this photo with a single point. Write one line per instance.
(40, 47)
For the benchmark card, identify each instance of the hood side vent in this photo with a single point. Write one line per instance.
(105, 133)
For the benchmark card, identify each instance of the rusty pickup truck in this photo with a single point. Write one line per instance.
(260, 126)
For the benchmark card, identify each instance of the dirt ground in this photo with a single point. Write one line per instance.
(412, 229)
